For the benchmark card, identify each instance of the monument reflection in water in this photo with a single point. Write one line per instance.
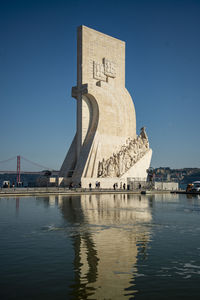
(100, 247)
(108, 232)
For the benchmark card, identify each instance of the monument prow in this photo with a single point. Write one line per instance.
(105, 146)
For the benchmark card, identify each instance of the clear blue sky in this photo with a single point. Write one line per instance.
(38, 69)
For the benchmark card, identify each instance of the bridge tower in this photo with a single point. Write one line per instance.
(18, 169)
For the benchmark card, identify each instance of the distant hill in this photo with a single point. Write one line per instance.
(183, 176)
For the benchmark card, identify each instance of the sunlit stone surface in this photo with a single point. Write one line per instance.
(106, 147)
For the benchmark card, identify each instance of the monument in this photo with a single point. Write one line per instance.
(105, 148)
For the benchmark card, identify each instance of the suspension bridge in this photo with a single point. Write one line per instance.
(19, 160)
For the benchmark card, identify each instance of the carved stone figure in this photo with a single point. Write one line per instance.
(111, 168)
(143, 133)
(100, 169)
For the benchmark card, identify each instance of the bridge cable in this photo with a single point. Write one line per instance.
(36, 164)
(3, 161)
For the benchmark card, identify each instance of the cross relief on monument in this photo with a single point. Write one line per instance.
(101, 71)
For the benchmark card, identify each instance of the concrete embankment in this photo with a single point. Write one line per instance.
(66, 191)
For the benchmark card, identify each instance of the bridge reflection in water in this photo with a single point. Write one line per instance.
(108, 234)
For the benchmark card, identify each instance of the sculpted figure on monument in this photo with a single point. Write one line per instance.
(131, 151)
(100, 169)
(111, 168)
(105, 167)
(129, 154)
(116, 164)
(144, 136)
(121, 163)
(127, 160)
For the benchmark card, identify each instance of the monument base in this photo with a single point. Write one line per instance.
(136, 172)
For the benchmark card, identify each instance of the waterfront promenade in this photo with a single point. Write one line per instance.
(66, 191)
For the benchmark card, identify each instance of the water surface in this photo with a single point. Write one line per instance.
(100, 247)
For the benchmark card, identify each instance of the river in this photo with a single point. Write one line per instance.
(114, 246)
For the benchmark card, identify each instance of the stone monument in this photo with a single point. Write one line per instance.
(105, 148)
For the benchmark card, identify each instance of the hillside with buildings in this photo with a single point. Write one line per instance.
(183, 176)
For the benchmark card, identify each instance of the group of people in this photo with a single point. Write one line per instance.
(115, 186)
(97, 185)
(7, 184)
(122, 161)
